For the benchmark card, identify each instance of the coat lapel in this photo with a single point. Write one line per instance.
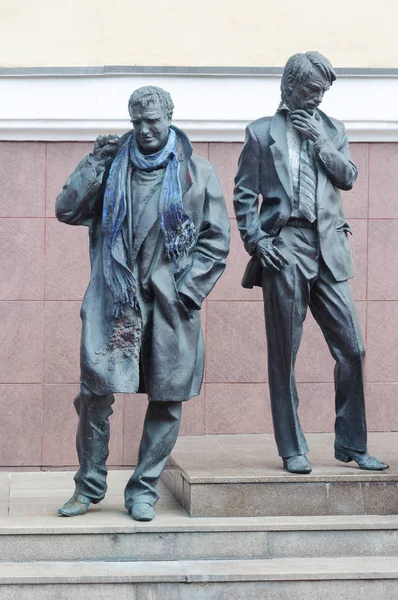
(280, 152)
(331, 132)
(184, 172)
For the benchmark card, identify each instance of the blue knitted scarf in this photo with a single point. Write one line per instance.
(178, 229)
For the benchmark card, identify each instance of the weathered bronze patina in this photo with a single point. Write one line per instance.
(159, 236)
(297, 161)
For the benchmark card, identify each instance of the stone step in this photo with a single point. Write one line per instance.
(278, 579)
(110, 536)
(241, 475)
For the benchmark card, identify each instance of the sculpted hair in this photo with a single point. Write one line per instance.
(301, 67)
(150, 94)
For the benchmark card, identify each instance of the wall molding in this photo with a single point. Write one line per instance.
(176, 70)
(58, 130)
(209, 107)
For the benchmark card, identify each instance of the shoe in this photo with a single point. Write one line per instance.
(297, 464)
(77, 505)
(142, 511)
(363, 459)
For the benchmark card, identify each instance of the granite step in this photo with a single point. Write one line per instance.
(277, 579)
(241, 475)
(107, 536)
(31, 530)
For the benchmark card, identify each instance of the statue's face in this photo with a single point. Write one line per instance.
(151, 127)
(307, 96)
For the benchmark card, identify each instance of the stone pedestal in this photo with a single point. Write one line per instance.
(242, 476)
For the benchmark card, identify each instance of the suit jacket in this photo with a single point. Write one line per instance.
(264, 170)
(159, 349)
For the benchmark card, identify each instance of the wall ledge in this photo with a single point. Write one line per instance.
(209, 107)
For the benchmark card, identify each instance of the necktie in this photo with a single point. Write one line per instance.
(307, 184)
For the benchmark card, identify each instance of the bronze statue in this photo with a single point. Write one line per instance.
(297, 161)
(159, 237)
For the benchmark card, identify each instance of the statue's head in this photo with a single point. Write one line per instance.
(151, 111)
(306, 77)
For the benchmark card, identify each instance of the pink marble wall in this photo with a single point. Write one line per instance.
(44, 270)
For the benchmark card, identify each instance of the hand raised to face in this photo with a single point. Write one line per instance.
(309, 127)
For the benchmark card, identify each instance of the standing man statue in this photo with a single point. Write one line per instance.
(159, 237)
(297, 161)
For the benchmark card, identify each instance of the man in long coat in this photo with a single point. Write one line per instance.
(298, 160)
(159, 237)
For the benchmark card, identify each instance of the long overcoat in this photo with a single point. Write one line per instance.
(158, 349)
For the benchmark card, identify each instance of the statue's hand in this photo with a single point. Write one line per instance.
(270, 256)
(309, 127)
(106, 146)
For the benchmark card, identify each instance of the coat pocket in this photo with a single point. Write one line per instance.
(186, 311)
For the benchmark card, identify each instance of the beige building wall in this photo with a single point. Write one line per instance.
(352, 33)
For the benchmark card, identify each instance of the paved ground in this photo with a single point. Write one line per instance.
(39, 494)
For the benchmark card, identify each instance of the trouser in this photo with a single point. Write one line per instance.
(307, 282)
(161, 426)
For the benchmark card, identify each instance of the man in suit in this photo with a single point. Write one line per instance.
(297, 161)
(159, 237)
